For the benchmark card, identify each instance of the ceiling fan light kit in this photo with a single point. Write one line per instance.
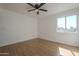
(37, 7)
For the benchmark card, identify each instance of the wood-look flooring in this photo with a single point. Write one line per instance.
(39, 47)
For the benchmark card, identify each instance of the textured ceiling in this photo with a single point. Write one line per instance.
(52, 8)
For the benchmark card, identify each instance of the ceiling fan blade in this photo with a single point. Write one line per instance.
(43, 10)
(31, 5)
(31, 10)
(38, 13)
(41, 4)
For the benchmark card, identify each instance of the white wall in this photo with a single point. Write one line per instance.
(15, 27)
(47, 29)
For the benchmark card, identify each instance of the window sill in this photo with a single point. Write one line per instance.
(68, 32)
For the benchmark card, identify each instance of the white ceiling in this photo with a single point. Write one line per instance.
(52, 8)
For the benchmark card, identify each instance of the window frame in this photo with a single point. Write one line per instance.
(66, 25)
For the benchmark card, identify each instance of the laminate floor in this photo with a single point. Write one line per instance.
(39, 47)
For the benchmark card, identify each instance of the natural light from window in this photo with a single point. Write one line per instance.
(67, 24)
(67, 52)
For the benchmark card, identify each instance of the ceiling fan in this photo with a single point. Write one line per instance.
(37, 7)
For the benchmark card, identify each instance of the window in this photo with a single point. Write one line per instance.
(67, 24)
